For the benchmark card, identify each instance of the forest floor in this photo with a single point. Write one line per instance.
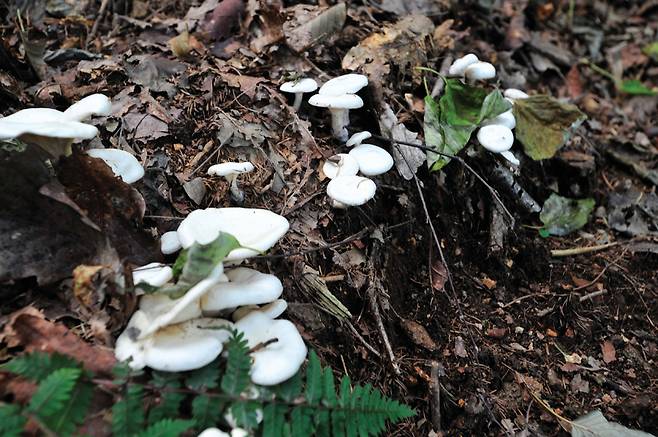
(491, 333)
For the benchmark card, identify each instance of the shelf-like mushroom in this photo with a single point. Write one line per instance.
(122, 163)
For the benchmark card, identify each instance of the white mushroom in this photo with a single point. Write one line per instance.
(175, 348)
(346, 84)
(351, 190)
(256, 229)
(496, 138)
(271, 310)
(54, 130)
(373, 160)
(358, 138)
(230, 171)
(170, 243)
(122, 163)
(508, 155)
(506, 119)
(214, 432)
(480, 71)
(341, 164)
(245, 287)
(459, 66)
(153, 274)
(514, 94)
(299, 87)
(281, 349)
(339, 106)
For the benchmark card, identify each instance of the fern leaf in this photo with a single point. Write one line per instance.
(313, 379)
(236, 377)
(274, 420)
(128, 413)
(53, 393)
(245, 413)
(74, 411)
(167, 406)
(36, 366)
(290, 389)
(301, 422)
(206, 411)
(167, 428)
(206, 377)
(11, 421)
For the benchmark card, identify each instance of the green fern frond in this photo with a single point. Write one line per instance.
(167, 428)
(245, 414)
(53, 393)
(128, 413)
(291, 389)
(206, 411)
(274, 415)
(167, 406)
(313, 379)
(73, 412)
(11, 421)
(236, 377)
(204, 378)
(36, 366)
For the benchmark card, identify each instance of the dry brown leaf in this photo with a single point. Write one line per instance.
(312, 25)
(439, 275)
(609, 352)
(418, 334)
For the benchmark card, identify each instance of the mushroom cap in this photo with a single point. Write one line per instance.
(459, 66)
(480, 71)
(122, 163)
(95, 104)
(154, 274)
(245, 287)
(256, 229)
(271, 310)
(213, 432)
(305, 85)
(496, 138)
(127, 347)
(357, 138)
(157, 304)
(169, 243)
(373, 160)
(226, 169)
(278, 361)
(513, 94)
(351, 190)
(346, 84)
(341, 164)
(506, 119)
(44, 122)
(343, 101)
(508, 155)
(185, 346)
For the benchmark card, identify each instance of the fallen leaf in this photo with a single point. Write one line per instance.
(594, 424)
(407, 158)
(609, 352)
(543, 125)
(418, 334)
(439, 275)
(460, 350)
(496, 332)
(312, 25)
(224, 18)
(34, 333)
(562, 215)
(579, 385)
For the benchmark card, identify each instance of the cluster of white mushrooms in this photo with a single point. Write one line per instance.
(495, 134)
(339, 96)
(189, 332)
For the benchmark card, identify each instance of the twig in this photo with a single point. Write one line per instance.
(362, 340)
(435, 388)
(99, 18)
(592, 295)
(374, 307)
(582, 250)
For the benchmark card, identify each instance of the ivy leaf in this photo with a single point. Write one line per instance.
(448, 124)
(543, 125)
(562, 215)
(198, 262)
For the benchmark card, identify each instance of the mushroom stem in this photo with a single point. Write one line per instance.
(236, 193)
(340, 119)
(298, 101)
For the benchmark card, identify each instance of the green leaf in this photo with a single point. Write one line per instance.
(651, 50)
(245, 413)
(128, 413)
(313, 392)
(199, 262)
(11, 421)
(236, 377)
(53, 393)
(206, 411)
(274, 419)
(290, 389)
(543, 125)
(167, 428)
(562, 215)
(36, 366)
(635, 87)
(448, 124)
(167, 406)
(206, 377)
